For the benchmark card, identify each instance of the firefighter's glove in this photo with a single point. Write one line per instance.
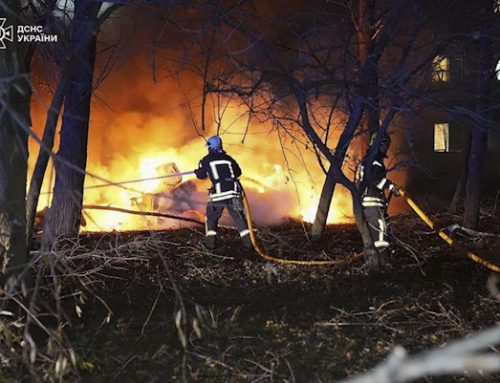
(395, 190)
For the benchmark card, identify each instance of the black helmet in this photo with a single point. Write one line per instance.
(385, 142)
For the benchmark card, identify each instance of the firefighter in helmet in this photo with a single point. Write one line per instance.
(373, 183)
(224, 173)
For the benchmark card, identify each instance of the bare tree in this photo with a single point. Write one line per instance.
(76, 59)
(367, 100)
(15, 89)
(486, 23)
(375, 74)
(69, 66)
(303, 79)
(64, 216)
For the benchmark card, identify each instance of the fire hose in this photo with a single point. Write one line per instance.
(411, 203)
(445, 236)
(474, 257)
(268, 257)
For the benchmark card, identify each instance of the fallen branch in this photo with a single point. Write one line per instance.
(473, 233)
(462, 357)
(138, 212)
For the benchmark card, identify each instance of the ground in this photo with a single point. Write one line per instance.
(175, 311)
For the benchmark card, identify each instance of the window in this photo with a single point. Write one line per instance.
(459, 70)
(497, 70)
(441, 137)
(441, 69)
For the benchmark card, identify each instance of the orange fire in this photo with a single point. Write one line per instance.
(147, 130)
(273, 194)
(140, 128)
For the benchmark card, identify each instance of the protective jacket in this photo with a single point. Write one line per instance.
(223, 172)
(374, 182)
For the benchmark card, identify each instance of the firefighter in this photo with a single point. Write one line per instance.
(373, 185)
(224, 173)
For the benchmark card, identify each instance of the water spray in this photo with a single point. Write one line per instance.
(140, 180)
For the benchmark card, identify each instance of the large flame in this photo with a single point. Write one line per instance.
(142, 127)
(147, 132)
(272, 192)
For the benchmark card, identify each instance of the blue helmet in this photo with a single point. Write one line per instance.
(214, 144)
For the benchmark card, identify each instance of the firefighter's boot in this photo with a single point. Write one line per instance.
(372, 261)
(247, 242)
(210, 242)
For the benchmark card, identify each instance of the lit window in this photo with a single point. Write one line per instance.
(441, 137)
(441, 69)
(497, 70)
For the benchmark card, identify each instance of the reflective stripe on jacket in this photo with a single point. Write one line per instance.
(223, 172)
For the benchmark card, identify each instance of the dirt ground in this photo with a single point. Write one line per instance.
(182, 313)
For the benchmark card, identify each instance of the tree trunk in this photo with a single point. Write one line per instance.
(459, 189)
(478, 145)
(369, 53)
(328, 189)
(43, 159)
(64, 215)
(14, 122)
(336, 166)
(325, 201)
(366, 34)
(365, 45)
(473, 185)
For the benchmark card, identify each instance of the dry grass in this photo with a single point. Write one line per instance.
(155, 306)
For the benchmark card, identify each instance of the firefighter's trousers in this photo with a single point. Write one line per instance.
(378, 224)
(213, 214)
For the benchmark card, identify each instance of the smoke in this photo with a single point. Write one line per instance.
(144, 119)
(137, 127)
